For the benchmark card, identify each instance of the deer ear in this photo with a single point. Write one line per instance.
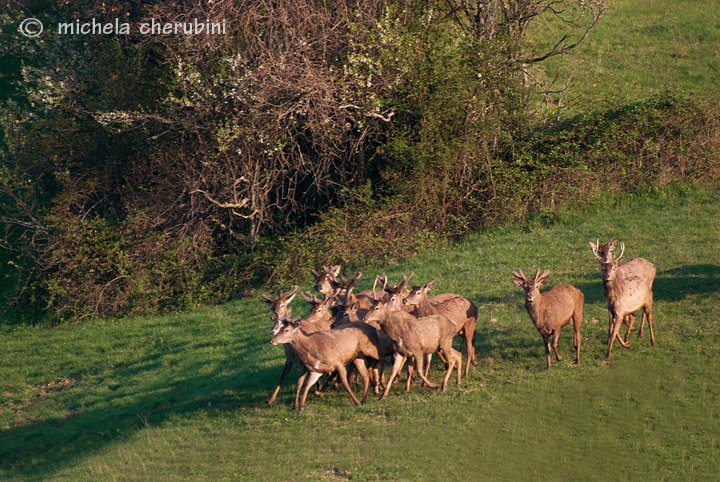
(335, 270)
(519, 282)
(429, 285)
(593, 246)
(613, 244)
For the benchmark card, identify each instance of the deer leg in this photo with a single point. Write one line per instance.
(362, 370)
(555, 338)
(617, 320)
(458, 366)
(428, 360)
(410, 371)
(642, 324)
(283, 375)
(577, 323)
(302, 374)
(419, 360)
(648, 310)
(629, 321)
(397, 366)
(452, 363)
(474, 357)
(308, 383)
(343, 377)
(546, 340)
(610, 324)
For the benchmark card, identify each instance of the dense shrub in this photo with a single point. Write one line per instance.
(147, 173)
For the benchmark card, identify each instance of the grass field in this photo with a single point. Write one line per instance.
(642, 48)
(184, 395)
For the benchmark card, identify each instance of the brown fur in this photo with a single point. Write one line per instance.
(552, 310)
(416, 337)
(330, 351)
(457, 309)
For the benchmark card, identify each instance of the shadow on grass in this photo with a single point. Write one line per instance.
(102, 410)
(100, 415)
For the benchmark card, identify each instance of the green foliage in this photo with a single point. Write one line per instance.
(361, 230)
(139, 175)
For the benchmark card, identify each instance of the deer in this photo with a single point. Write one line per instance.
(352, 313)
(319, 319)
(280, 310)
(634, 267)
(627, 288)
(416, 337)
(324, 277)
(280, 307)
(344, 288)
(329, 351)
(457, 309)
(552, 310)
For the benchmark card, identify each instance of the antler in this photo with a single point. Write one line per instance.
(539, 276)
(310, 298)
(383, 278)
(622, 250)
(289, 293)
(403, 285)
(595, 248)
(519, 275)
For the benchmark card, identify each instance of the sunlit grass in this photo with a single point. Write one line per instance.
(183, 396)
(642, 48)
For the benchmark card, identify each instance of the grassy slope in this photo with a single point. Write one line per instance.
(183, 395)
(642, 48)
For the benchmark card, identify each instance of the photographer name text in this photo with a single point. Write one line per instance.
(151, 27)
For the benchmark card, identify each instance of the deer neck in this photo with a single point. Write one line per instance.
(536, 309)
(611, 287)
(425, 308)
(392, 321)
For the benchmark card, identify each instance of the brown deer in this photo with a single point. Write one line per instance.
(457, 309)
(324, 278)
(552, 310)
(635, 267)
(352, 313)
(280, 309)
(364, 299)
(416, 337)
(627, 288)
(319, 319)
(330, 351)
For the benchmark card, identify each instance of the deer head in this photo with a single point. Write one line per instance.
(319, 308)
(603, 252)
(325, 278)
(531, 287)
(286, 330)
(609, 268)
(280, 307)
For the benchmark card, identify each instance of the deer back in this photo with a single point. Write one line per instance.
(561, 301)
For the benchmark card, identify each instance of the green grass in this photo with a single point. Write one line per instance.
(183, 396)
(642, 48)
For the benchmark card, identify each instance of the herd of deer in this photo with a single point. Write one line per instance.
(402, 322)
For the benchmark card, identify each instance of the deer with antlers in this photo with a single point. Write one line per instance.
(552, 310)
(627, 288)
